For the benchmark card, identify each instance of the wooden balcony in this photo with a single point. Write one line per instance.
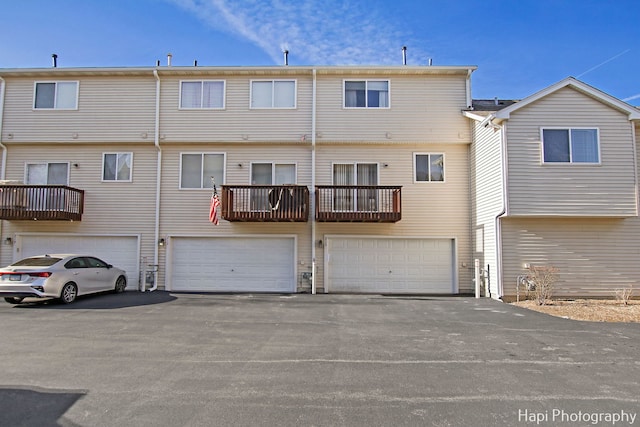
(358, 203)
(265, 203)
(41, 202)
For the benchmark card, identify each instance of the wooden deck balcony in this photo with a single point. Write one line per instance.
(41, 202)
(265, 203)
(358, 203)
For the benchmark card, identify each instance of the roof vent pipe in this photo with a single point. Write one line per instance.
(158, 63)
(430, 62)
(286, 57)
(404, 55)
(169, 56)
(195, 62)
(55, 60)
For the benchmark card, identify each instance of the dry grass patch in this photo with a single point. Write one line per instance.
(594, 310)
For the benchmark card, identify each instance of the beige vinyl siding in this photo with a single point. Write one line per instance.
(429, 209)
(237, 123)
(595, 256)
(423, 109)
(185, 212)
(110, 207)
(487, 193)
(110, 109)
(536, 189)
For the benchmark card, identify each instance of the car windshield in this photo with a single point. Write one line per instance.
(37, 262)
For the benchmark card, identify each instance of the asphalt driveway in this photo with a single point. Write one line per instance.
(163, 359)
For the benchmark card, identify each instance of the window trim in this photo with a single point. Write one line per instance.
(273, 170)
(570, 162)
(355, 170)
(35, 86)
(273, 81)
(344, 94)
(224, 94)
(202, 154)
(429, 181)
(26, 171)
(116, 179)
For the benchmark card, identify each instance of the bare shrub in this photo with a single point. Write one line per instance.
(541, 279)
(624, 294)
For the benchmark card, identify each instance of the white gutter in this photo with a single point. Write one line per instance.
(498, 224)
(635, 161)
(3, 83)
(468, 89)
(312, 196)
(2, 146)
(156, 140)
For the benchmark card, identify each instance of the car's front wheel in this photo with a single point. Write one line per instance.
(69, 293)
(121, 284)
(13, 300)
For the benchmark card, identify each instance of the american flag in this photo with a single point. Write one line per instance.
(213, 211)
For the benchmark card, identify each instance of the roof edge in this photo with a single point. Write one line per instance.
(633, 112)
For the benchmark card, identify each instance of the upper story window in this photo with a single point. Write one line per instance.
(273, 94)
(56, 95)
(366, 94)
(47, 174)
(202, 94)
(197, 169)
(117, 166)
(273, 173)
(428, 167)
(572, 145)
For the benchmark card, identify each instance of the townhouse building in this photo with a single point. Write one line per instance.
(331, 179)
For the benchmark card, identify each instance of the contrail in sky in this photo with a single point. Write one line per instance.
(601, 64)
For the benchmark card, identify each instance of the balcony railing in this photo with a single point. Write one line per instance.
(41, 202)
(358, 203)
(265, 203)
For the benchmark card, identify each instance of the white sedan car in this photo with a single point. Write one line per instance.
(62, 276)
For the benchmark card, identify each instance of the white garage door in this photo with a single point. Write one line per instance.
(390, 265)
(232, 264)
(121, 251)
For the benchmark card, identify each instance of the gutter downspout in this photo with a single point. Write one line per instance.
(312, 203)
(156, 141)
(3, 84)
(3, 169)
(498, 223)
(635, 161)
(468, 89)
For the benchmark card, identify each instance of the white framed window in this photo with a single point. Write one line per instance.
(55, 95)
(202, 94)
(570, 145)
(428, 167)
(273, 94)
(270, 173)
(47, 173)
(355, 174)
(117, 166)
(366, 94)
(197, 169)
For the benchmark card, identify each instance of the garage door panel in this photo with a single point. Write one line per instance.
(121, 251)
(233, 264)
(390, 265)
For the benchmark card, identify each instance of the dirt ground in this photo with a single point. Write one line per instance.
(590, 310)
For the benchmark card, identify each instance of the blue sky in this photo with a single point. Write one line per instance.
(519, 46)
